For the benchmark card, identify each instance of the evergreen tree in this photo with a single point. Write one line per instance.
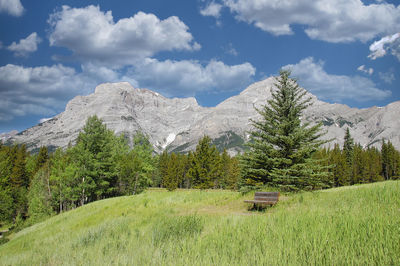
(358, 165)
(340, 169)
(373, 162)
(204, 167)
(41, 158)
(390, 161)
(172, 178)
(19, 182)
(230, 172)
(19, 177)
(348, 147)
(280, 146)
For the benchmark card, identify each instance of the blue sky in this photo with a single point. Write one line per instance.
(343, 51)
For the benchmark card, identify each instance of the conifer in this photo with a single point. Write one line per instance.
(280, 145)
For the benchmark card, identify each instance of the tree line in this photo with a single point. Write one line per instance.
(282, 153)
(287, 154)
(354, 164)
(205, 168)
(100, 165)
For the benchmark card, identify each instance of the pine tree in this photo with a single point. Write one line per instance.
(348, 147)
(358, 165)
(340, 170)
(390, 161)
(280, 146)
(204, 168)
(19, 177)
(172, 178)
(41, 158)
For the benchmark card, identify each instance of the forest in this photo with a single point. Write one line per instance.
(282, 153)
(102, 165)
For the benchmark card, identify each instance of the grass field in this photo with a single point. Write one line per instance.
(351, 225)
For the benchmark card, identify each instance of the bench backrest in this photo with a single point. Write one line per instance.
(266, 196)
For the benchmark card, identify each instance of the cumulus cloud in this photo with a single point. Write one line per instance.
(185, 78)
(212, 9)
(25, 46)
(362, 68)
(337, 88)
(93, 36)
(12, 7)
(387, 43)
(45, 90)
(37, 90)
(332, 21)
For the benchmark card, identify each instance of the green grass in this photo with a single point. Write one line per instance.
(357, 225)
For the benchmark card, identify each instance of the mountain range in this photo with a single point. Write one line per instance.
(176, 124)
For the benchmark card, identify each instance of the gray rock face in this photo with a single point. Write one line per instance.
(177, 124)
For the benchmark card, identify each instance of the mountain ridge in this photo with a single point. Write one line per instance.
(177, 124)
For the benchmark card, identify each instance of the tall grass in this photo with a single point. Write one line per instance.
(352, 225)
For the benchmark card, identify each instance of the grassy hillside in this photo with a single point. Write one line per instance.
(349, 225)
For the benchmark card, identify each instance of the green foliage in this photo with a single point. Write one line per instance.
(390, 161)
(281, 148)
(96, 143)
(341, 169)
(348, 147)
(41, 158)
(136, 168)
(39, 196)
(204, 169)
(357, 225)
(6, 204)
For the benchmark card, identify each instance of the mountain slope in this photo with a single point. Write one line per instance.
(349, 225)
(178, 123)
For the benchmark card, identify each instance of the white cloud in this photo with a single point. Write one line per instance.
(12, 7)
(315, 79)
(390, 42)
(212, 9)
(185, 78)
(93, 36)
(327, 20)
(387, 77)
(25, 46)
(45, 90)
(362, 68)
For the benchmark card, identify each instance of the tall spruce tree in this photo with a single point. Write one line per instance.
(204, 168)
(348, 146)
(41, 158)
(280, 145)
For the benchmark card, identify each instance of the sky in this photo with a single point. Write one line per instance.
(342, 51)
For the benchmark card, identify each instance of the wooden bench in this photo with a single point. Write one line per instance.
(264, 198)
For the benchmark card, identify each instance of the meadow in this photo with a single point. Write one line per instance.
(348, 225)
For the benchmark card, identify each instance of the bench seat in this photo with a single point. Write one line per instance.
(264, 198)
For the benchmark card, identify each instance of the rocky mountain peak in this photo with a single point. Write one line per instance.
(177, 124)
